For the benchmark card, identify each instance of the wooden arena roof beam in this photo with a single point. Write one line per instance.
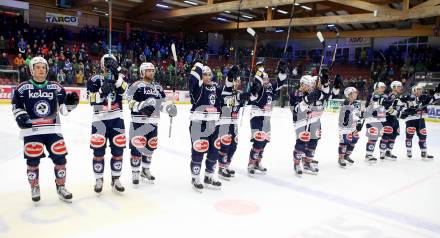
(414, 13)
(428, 3)
(221, 7)
(142, 8)
(365, 6)
(416, 30)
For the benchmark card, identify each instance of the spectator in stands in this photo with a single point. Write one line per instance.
(61, 77)
(28, 59)
(68, 53)
(4, 60)
(133, 73)
(69, 71)
(3, 43)
(80, 78)
(12, 45)
(22, 45)
(18, 61)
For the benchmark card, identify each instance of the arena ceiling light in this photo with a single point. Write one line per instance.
(306, 7)
(279, 30)
(246, 16)
(222, 19)
(228, 11)
(162, 6)
(281, 11)
(251, 31)
(190, 2)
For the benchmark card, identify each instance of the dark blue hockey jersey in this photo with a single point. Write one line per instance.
(150, 94)
(417, 107)
(377, 104)
(230, 105)
(308, 107)
(205, 98)
(41, 101)
(262, 96)
(100, 104)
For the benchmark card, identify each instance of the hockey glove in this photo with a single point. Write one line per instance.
(171, 109)
(112, 65)
(106, 88)
(72, 101)
(338, 82)
(359, 126)
(23, 121)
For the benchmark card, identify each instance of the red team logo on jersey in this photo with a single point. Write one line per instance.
(373, 131)
(388, 130)
(152, 143)
(59, 147)
(119, 140)
(350, 136)
(139, 141)
(423, 131)
(411, 130)
(304, 136)
(260, 136)
(97, 140)
(201, 145)
(218, 144)
(33, 149)
(226, 139)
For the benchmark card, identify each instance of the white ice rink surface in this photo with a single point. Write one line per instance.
(390, 199)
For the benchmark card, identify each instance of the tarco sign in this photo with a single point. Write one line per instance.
(62, 19)
(358, 40)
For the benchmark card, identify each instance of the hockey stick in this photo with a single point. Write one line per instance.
(334, 51)
(173, 49)
(254, 35)
(287, 42)
(109, 97)
(238, 24)
(322, 40)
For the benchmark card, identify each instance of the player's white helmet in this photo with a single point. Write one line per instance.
(145, 66)
(206, 70)
(396, 84)
(379, 85)
(308, 80)
(349, 90)
(415, 88)
(103, 60)
(38, 60)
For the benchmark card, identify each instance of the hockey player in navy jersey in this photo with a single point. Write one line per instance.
(375, 116)
(145, 100)
(391, 127)
(105, 95)
(36, 105)
(263, 93)
(232, 99)
(414, 114)
(307, 105)
(350, 124)
(205, 111)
